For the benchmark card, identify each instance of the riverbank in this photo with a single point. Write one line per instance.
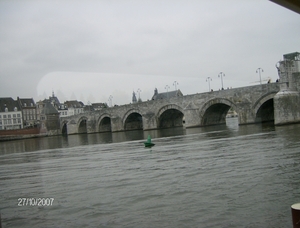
(19, 137)
(7, 135)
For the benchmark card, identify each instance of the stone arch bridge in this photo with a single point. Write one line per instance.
(253, 104)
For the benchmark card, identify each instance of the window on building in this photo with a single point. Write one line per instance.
(18, 115)
(14, 116)
(4, 116)
(8, 116)
(5, 122)
(0, 122)
(9, 121)
(0, 116)
(14, 121)
(19, 120)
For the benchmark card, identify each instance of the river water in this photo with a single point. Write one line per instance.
(222, 176)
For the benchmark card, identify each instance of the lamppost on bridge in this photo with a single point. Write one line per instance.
(221, 75)
(110, 100)
(208, 79)
(259, 70)
(167, 88)
(139, 91)
(175, 83)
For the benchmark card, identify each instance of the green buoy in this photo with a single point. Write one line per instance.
(149, 143)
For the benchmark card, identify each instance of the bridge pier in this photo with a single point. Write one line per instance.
(191, 116)
(91, 125)
(72, 127)
(116, 124)
(286, 107)
(149, 121)
(245, 113)
(287, 100)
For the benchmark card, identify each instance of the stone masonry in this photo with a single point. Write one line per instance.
(253, 104)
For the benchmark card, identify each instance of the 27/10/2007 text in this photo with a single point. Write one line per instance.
(40, 202)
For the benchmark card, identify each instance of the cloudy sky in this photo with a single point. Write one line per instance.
(90, 50)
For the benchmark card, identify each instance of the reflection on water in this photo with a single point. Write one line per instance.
(34, 144)
(229, 130)
(53, 142)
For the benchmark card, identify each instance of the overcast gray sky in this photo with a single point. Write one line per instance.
(89, 50)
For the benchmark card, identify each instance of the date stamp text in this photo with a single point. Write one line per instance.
(40, 202)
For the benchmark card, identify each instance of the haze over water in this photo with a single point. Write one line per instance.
(221, 176)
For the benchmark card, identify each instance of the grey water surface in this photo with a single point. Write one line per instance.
(221, 176)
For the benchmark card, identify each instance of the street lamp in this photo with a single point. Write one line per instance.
(258, 71)
(208, 79)
(167, 88)
(139, 91)
(110, 100)
(175, 84)
(221, 75)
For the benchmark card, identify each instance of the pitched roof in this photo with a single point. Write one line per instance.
(49, 109)
(88, 108)
(26, 102)
(74, 104)
(9, 103)
(165, 95)
(99, 105)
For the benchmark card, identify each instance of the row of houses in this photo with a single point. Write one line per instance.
(24, 113)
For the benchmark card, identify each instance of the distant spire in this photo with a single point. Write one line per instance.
(134, 100)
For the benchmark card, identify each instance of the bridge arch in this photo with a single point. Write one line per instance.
(215, 110)
(263, 108)
(64, 127)
(104, 123)
(170, 115)
(133, 120)
(82, 125)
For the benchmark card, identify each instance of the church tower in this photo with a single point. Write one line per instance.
(134, 100)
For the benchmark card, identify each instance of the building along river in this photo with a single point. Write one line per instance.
(220, 176)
